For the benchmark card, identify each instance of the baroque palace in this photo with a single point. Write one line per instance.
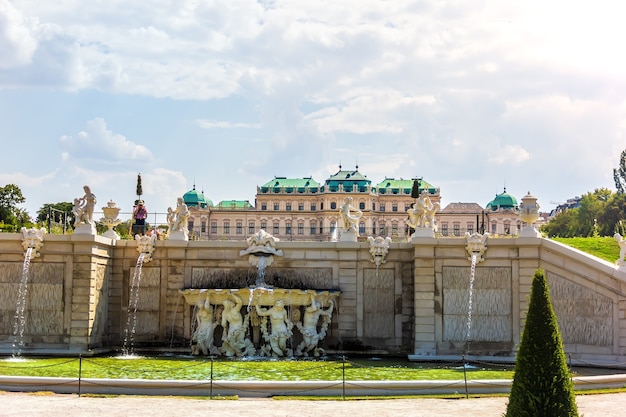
(304, 209)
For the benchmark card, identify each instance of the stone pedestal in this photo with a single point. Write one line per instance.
(348, 236)
(423, 232)
(179, 235)
(85, 229)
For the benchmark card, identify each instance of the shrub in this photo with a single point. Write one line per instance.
(542, 384)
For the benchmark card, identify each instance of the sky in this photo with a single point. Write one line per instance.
(474, 97)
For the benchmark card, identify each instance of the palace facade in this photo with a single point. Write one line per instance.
(304, 209)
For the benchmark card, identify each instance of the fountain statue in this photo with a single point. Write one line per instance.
(309, 328)
(621, 262)
(145, 246)
(32, 238)
(422, 216)
(350, 221)
(286, 319)
(476, 245)
(110, 220)
(379, 248)
(261, 248)
(83, 213)
(177, 220)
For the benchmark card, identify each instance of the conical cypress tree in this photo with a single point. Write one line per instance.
(542, 385)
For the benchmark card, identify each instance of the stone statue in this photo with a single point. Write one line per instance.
(83, 208)
(280, 328)
(310, 335)
(422, 214)
(234, 342)
(33, 238)
(622, 249)
(379, 248)
(349, 220)
(177, 220)
(202, 339)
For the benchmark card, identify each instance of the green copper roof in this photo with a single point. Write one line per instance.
(402, 186)
(195, 199)
(290, 185)
(233, 205)
(502, 201)
(348, 179)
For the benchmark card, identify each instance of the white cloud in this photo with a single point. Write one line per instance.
(101, 144)
(17, 42)
(217, 124)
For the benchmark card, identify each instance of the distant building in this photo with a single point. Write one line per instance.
(304, 209)
(503, 215)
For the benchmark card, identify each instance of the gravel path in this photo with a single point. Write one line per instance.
(30, 405)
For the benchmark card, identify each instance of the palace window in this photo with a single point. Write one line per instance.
(263, 206)
(300, 228)
(382, 207)
(214, 227)
(288, 228)
(276, 228)
(362, 205)
(313, 207)
(251, 228)
(457, 228)
(227, 228)
(333, 205)
(263, 225)
(275, 206)
(300, 206)
(288, 207)
(313, 228)
(394, 207)
(444, 229)
(361, 227)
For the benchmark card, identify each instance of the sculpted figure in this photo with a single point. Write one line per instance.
(622, 248)
(83, 207)
(202, 339)
(234, 342)
(350, 221)
(281, 327)
(422, 214)
(308, 328)
(177, 218)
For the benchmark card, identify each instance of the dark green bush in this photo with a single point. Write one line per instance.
(542, 384)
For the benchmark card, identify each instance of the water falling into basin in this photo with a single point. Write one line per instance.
(20, 318)
(131, 317)
(470, 301)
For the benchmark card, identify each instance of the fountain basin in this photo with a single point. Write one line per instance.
(261, 296)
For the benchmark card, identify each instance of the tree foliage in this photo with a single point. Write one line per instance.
(12, 216)
(619, 174)
(56, 213)
(542, 384)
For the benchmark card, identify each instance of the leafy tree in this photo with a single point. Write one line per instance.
(619, 174)
(563, 224)
(58, 213)
(11, 215)
(542, 384)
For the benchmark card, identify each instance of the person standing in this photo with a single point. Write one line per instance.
(139, 216)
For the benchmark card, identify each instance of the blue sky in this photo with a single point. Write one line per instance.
(473, 96)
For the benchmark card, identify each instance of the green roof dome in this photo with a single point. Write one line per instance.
(195, 199)
(503, 201)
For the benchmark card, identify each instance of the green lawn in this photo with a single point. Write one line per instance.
(603, 247)
(250, 370)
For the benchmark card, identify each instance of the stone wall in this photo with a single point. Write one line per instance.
(416, 303)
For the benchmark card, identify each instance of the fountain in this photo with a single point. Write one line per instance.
(264, 327)
(379, 248)
(145, 246)
(32, 241)
(476, 247)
